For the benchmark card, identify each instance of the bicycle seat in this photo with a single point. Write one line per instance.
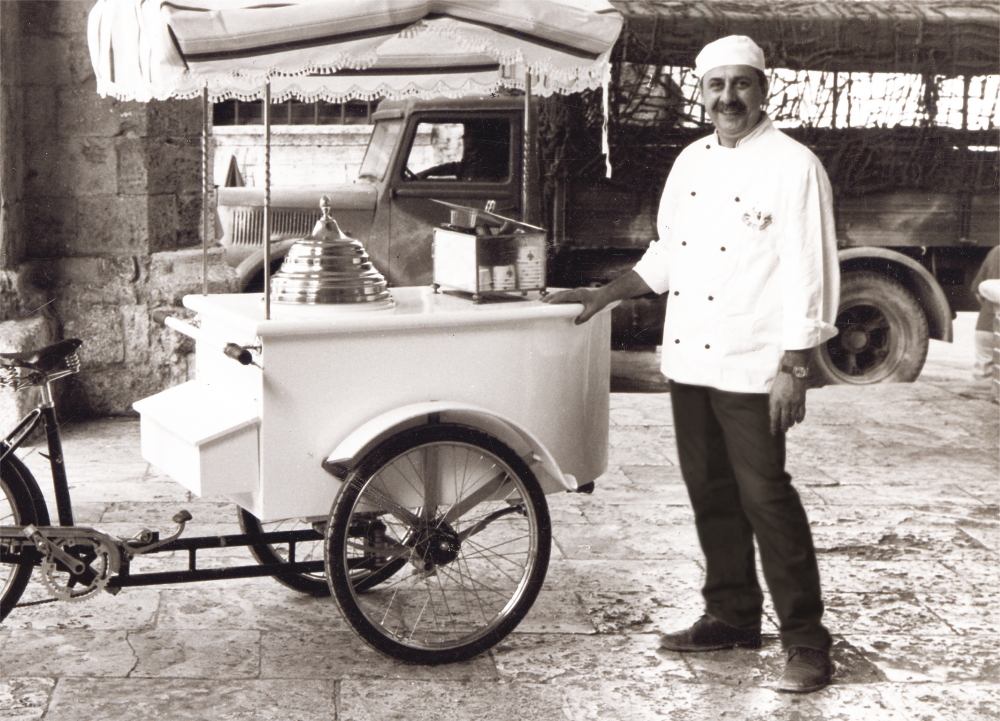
(44, 359)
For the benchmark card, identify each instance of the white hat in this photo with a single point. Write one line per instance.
(731, 50)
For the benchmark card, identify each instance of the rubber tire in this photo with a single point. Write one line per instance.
(267, 556)
(516, 607)
(20, 509)
(905, 344)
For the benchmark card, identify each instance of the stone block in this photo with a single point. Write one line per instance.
(71, 166)
(51, 225)
(163, 229)
(81, 111)
(173, 164)
(107, 281)
(131, 169)
(174, 117)
(55, 18)
(114, 224)
(38, 115)
(17, 336)
(171, 276)
(99, 326)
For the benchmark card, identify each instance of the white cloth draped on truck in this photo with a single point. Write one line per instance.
(337, 50)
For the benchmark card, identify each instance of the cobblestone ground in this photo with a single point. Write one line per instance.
(900, 481)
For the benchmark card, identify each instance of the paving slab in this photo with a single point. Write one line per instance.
(900, 483)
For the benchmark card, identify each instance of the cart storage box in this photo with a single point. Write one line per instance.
(204, 440)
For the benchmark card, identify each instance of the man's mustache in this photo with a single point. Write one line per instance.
(735, 106)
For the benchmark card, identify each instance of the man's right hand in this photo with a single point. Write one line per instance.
(589, 297)
(594, 300)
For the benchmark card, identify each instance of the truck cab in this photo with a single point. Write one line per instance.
(464, 151)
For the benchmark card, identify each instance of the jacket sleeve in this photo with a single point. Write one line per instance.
(808, 267)
(654, 267)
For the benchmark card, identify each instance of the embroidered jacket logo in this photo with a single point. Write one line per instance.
(757, 219)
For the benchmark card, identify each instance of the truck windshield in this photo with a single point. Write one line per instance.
(383, 140)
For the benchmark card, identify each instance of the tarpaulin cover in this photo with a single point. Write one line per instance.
(335, 50)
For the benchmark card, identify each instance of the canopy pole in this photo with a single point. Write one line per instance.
(527, 160)
(206, 211)
(267, 201)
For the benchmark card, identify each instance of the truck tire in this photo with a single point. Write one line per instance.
(883, 334)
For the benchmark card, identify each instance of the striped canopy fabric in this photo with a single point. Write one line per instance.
(336, 50)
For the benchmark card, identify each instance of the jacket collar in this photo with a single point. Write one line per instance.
(765, 125)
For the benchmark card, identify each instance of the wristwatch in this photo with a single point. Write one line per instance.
(797, 371)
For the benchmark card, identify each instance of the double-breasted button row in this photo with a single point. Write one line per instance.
(707, 345)
(711, 297)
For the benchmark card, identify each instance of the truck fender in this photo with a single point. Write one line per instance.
(254, 263)
(349, 452)
(913, 275)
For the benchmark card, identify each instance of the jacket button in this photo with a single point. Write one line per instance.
(677, 340)
(711, 298)
(737, 200)
(723, 249)
(684, 242)
(677, 292)
(707, 346)
(693, 194)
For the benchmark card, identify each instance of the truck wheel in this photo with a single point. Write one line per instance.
(883, 334)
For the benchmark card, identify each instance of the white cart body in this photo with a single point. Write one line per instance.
(334, 380)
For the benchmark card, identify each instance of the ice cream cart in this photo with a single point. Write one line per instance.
(391, 446)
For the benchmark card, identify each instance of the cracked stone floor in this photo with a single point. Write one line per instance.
(900, 482)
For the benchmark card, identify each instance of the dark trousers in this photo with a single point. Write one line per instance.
(734, 469)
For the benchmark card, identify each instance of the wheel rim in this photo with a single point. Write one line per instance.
(467, 557)
(866, 348)
(8, 517)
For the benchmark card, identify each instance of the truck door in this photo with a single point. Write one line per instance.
(459, 158)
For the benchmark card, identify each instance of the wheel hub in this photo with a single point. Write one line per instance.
(438, 545)
(855, 340)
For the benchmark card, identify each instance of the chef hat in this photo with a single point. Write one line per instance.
(731, 50)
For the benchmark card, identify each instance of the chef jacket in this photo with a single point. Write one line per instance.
(747, 250)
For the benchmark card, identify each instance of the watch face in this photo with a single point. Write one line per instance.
(799, 372)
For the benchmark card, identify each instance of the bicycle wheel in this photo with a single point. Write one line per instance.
(313, 584)
(467, 518)
(17, 508)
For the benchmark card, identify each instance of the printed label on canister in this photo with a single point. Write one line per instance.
(530, 270)
(504, 277)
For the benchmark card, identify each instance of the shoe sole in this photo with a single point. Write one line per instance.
(808, 689)
(716, 647)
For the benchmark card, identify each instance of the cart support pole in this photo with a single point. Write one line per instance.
(267, 201)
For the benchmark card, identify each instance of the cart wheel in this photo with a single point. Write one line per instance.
(448, 530)
(16, 509)
(268, 554)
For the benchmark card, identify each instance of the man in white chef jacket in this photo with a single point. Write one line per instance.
(747, 254)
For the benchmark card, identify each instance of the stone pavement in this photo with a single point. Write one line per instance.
(900, 481)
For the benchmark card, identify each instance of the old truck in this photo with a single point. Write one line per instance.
(916, 200)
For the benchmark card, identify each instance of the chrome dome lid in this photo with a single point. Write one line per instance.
(328, 267)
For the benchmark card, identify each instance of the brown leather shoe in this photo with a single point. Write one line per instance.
(710, 634)
(807, 670)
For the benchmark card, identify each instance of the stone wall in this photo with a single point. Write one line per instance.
(103, 212)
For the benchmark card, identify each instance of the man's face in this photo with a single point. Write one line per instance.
(734, 100)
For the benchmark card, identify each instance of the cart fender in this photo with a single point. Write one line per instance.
(353, 448)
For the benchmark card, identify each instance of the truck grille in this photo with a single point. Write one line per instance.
(248, 224)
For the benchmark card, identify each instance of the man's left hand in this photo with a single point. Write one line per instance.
(787, 402)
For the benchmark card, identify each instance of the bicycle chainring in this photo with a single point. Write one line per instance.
(94, 552)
